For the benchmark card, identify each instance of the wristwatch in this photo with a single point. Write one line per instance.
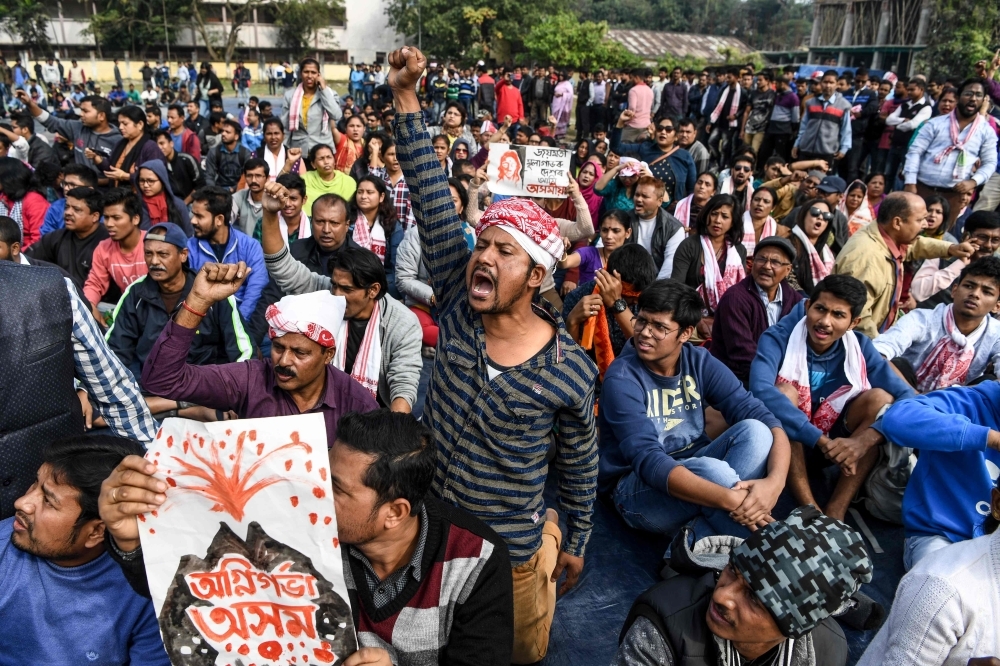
(619, 306)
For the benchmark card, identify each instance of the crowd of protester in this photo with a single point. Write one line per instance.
(755, 283)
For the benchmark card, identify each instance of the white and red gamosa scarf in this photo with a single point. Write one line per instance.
(371, 239)
(795, 371)
(770, 228)
(949, 360)
(368, 362)
(819, 266)
(716, 283)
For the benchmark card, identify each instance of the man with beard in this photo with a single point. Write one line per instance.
(739, 184)
(56, 571)
(948, 149)
(247, 206)
(156, 298)
(298, 378)
(509, 381)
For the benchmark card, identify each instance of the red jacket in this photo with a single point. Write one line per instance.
(508, 102)
(190, 144)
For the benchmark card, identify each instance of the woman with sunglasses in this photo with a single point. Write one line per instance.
(666, 159)
(459, 151)
(712, 259)
(813, 256)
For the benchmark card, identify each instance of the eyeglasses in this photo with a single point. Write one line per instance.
(772, 261)
(973, 95)
(665, 128)
(144, 182)
(984, 240)
(658, 331)
(740, 169)
(816, 212)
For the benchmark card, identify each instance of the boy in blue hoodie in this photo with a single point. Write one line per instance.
(827, 384)
(656, 461)
(958, 433)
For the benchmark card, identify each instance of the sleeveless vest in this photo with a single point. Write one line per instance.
(37, 401)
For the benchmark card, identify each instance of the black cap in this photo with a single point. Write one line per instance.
(782, 244)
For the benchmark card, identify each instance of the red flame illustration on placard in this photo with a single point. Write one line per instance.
(232, 489)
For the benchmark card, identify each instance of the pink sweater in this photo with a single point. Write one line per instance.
(110, 264)
(640, 102)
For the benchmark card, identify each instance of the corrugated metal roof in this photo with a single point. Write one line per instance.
(651, 45)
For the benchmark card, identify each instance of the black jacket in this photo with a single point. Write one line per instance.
(62, 248)
(40, 152)
(141, 316)
(308, 251)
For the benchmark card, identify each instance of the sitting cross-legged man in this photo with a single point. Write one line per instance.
(771, 604)
(828, 385)
(955, 342)
(656, 461)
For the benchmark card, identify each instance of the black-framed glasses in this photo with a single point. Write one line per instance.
(665, 128)
(657, 330)
(816, 212)
(773, 261)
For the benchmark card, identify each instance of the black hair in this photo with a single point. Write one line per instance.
(403, 450)
(178, 108)
(870, 177)
(962, 86)
(365, 267)
(309, 61)
(24, 119)
(623, 217)
(124, 196)
(774, 159)
(100, 104)
(844, 287)
(981, 219)
(918, 82)
(135, 114)
(941, 201)
(458, 165)
(769, 190)
(830, 72)
(10, 231)
(987, 267)
(458, 107)
(715, 179)
(894, 205)
(83, 172)
(235, 127)
(386, 209)
(388, 113)
(330, 200)
(155, 110)
(385, 142)
(634, 264)
(314, 151)
(155, 136)
(256, 163)
(274, 121)
(674, 297)
(463, 194)
(216, 117)
(84, 462)
(218, 200)
(88, 195)
(16, 180)
(292, 181)
(735, 234)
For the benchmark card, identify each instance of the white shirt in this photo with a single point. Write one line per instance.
(182, 74)
(896, 120)
(644, 234)
(667, 269)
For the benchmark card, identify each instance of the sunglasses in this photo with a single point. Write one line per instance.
(664, 128)
(742, 168)
(822, 214)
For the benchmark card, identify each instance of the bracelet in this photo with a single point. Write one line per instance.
(192, 310)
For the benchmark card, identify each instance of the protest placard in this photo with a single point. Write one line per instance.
(528, 171)
(243, 560)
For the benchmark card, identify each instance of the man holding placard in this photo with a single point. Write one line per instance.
(508, 381)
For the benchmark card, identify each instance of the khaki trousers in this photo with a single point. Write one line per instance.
(535, 599)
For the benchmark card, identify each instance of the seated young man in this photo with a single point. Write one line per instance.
(403, 548)
(656, 460)
(934, 279)
(828, 385)
(954, 343)
(771, 604)
(62, 599)
(759, 301)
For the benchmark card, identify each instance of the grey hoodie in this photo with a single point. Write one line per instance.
(82, 138)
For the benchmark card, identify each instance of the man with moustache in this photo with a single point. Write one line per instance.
(298, 378)
(508, 382)
(156, 298)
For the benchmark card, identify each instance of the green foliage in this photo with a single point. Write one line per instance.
(670, 61)
(468, 30)
(300, 23)
(563, 40)
(135, 25)
(961, 33)
(26, 21)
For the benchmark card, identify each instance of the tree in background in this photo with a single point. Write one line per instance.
(26, 21)
(302, 22)
(563, 40)
(134, 25)
(220, 43)
(961, 33)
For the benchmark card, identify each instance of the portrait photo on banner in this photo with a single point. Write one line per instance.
(528, 171)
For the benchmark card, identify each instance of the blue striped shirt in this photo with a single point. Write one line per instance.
(493, 435)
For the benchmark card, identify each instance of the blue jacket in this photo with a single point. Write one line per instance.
(54, 216)
(771, 353)
(710, 99)
(239, 248)
(949, 491)
(681, 162)
(648, 422)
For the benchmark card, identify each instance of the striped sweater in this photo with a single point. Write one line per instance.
(493, 436)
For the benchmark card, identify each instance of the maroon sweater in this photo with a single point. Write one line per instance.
(740, 320)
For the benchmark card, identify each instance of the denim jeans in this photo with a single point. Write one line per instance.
(893, 165)
(916, 548)
(739, 453)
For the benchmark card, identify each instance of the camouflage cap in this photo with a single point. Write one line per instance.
(804, 568)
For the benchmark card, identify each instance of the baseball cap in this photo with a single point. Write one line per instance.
(782, 244)
(168, 232)
(832, 184)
